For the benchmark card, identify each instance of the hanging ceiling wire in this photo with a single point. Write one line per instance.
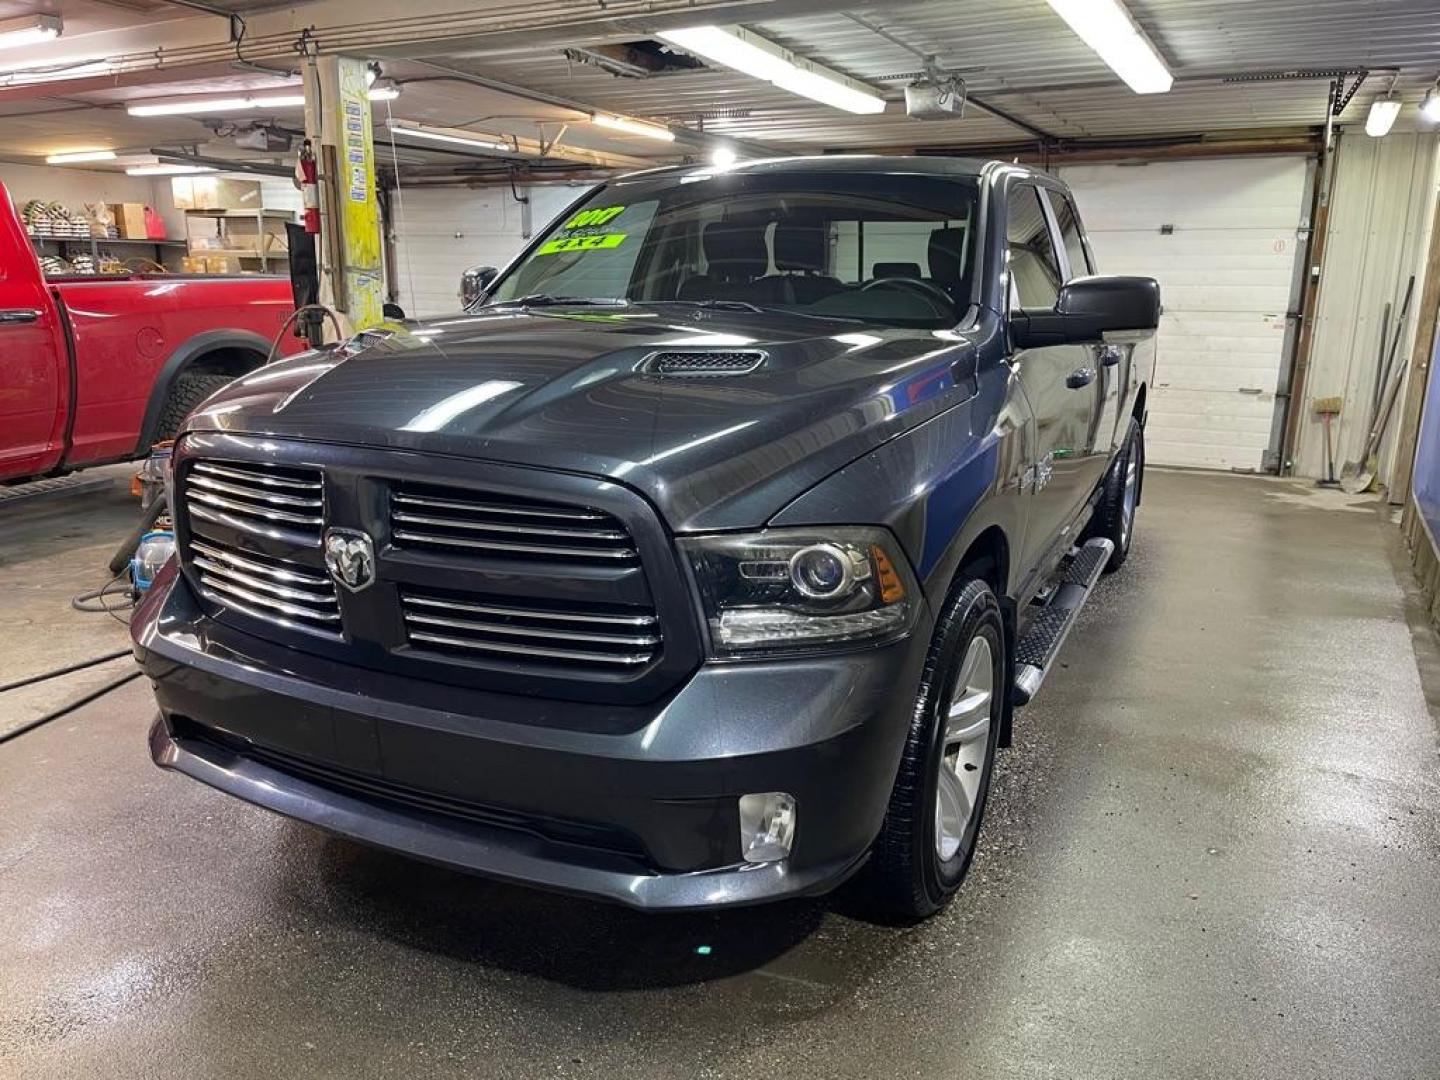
(400, 204)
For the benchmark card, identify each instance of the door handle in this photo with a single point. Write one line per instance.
(19, 315)
(1080, 377)
(1109, 357)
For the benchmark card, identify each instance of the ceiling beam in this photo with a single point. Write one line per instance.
(1139, 148)
(178, 157)
(684, 137)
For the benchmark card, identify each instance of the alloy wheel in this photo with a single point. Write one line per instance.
(967, 740)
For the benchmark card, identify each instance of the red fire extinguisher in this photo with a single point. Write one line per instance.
(309, 187)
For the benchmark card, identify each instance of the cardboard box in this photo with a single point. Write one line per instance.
(212, 193)
(129, 220)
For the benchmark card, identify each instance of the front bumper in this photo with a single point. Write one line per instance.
(642, 811)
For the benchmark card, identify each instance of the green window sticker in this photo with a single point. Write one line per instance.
(581, 243)
(589, 219)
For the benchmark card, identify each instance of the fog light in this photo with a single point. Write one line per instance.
(767, 826)
(155, 548)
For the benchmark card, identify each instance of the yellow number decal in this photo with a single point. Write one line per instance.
(581, 243)
(587, 219)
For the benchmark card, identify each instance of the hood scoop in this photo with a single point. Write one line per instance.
(703, 363)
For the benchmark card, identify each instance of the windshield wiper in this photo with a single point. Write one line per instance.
(758, 309)
(724, 305)
(546, 300)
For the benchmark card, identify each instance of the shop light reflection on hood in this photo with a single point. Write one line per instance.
(443, 412)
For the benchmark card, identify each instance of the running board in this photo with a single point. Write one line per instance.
(1049, 627)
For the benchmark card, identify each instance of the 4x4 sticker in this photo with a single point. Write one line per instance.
(581, 243)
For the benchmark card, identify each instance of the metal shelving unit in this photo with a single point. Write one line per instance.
(69, 245)
(258, 254)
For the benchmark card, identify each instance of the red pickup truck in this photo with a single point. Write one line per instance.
(97, 369)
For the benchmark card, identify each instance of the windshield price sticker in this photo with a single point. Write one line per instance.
(581, 243)
(586, 240)
(589, 219)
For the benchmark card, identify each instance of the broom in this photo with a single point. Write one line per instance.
(1327, 408)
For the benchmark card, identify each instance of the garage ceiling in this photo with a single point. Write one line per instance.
(1016, 56)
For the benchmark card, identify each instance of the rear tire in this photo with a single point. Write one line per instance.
(190, 389)
(1114, 518)
(936, 807)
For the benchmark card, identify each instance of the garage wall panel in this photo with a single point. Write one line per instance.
(1381, 202)
(1221, 238)
(74, 188)
(441, 232)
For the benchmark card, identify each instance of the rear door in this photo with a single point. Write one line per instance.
(1060, 382)
(1111, 362)
(34, 389)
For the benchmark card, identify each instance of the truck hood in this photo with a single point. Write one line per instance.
(570, 389)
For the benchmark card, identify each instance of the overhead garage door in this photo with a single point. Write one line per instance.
(1221, 238)
(441, 232)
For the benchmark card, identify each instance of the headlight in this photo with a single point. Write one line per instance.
(797, 589)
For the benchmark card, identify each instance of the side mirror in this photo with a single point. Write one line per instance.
(474, 283)
(393, 311)
(1092, 310)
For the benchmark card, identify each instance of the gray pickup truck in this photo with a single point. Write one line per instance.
(700, 561)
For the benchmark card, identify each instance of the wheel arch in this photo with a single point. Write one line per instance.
(988, 558)
(219, 352)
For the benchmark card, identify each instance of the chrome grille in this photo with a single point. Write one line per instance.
(479, 523)
(277, 590)
(254, 497)
(588, 637)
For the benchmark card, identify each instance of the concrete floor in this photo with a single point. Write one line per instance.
(1212, 853)
(50, 551)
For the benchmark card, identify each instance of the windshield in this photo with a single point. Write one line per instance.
(890, 249)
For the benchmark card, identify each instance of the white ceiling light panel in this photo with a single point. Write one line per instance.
(1116, 38)
(750, 54)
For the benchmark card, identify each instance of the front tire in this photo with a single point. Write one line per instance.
(936, 807)
(190, 389)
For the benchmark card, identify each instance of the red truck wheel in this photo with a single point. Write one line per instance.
(189, 391)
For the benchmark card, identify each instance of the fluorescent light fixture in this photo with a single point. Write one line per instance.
(750, 54)
(1108, 29)
(633, 127)
(29, 30)
(722, 157)
(1382, 116)
(167, 170)
(80, 155)
(214, 105)
(448, 135)
(1430, 107)
(272, 100)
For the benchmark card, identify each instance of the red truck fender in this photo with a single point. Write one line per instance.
(230, 353)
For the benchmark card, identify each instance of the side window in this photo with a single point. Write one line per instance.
(1069, 224)
(1034, 269)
